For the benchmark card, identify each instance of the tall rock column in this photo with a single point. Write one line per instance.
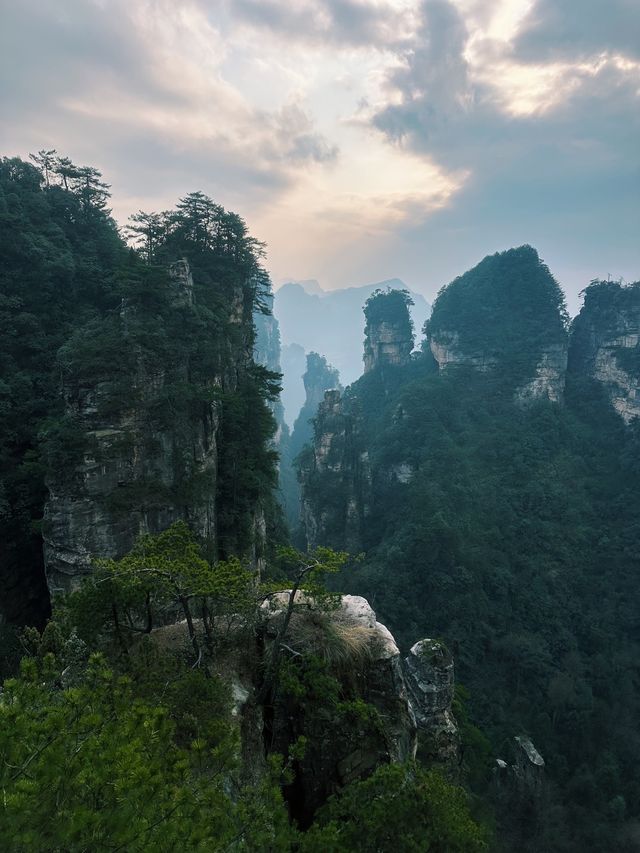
(430, 683)
(605, 343)
(389, 330)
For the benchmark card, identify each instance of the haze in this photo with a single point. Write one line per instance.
(361, 139)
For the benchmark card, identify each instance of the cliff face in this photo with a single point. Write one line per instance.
(429, 674)
(126, 482)
(409, 702)
(318, 378)
(388, 332)
(335, 477)
(605, 344)
(148, 443)
(506, 315)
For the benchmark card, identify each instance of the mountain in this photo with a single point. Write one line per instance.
(494, 495)
(331, 324)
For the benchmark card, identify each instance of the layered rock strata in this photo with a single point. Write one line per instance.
(605, 344)
(143, 461)
(409, 701)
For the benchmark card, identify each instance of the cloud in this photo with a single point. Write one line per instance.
(562, 29)
(381, 24)
(363, 139)
(148, 77)
(550, 146)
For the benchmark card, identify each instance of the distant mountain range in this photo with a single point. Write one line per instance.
(331, 323)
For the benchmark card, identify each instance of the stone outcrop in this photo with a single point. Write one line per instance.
(525, 776)
(387, 343)
(549, 379)
(318, 378)
(139, 469)
(446, 349)
(345, 742)
(547, 382)
(505, 317)
(182, 282)
(123, 484)
(387, 709)
(430, 682)
(605, 344)
(388, 331)
(336, 456)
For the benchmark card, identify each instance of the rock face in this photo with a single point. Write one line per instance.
(446, 349)
(605, 343)
(336, 454)
(182, 282)
(430, 683)
(387, 343)
(319, 377)
(388, 331)
(345, 742)
(83, 517)
(140, 468)
(505, 316)
(525, 777)
(549, 380)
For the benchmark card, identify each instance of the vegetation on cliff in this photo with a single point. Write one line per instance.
(88, 322)
(113, 736)
(514, 536)
(508, 308)
(319, 377)
(610, 311)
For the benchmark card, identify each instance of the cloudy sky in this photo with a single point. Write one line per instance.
(361, 139)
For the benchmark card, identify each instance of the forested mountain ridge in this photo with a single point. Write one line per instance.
(508, 524)
(200, 688)
(193, 685)
(133, 397)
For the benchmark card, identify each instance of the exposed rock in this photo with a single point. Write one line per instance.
(387, 343)
(605, 343)
(319, 378)
(345, 742)
(343, 749)
(123, 484)
(381, 698)
(430, 683)
(388, 332)
(135, 465)
(445, 348)
(182, 281)
(505, 316)
(331, 322)
(549, 380)
(336, 452)
(528, 768)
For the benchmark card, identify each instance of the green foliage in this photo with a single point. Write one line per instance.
(515, 538)
(397, 810)
(162, 575)
(97, 339)
(390, 306)
(97, 766)
(508, 308)
(319, 377)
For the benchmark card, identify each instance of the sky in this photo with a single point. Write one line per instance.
(360, 139)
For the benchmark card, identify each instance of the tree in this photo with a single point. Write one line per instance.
(308, 572)
(163, 573)
(94, 766)
(147, 230)
(45, 160)
(397, 810)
